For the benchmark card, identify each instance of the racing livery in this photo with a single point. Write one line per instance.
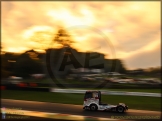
(92, 101)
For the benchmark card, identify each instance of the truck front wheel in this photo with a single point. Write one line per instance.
(93, 107)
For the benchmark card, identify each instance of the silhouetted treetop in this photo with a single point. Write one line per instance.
(62, 37)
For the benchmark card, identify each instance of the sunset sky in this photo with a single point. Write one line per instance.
(129, 31)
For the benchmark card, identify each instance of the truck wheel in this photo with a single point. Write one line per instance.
(93, 107)
(120, 109)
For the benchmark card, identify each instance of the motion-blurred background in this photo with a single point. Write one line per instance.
(109, 46)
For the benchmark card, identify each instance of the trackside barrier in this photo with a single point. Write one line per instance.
(105, 92)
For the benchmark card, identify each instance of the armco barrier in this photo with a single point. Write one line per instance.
(24, 87)
(105, 92)
(109, 85)
(113, 86)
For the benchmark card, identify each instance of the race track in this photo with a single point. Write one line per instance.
(69, 109)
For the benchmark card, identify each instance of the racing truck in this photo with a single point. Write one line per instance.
(92, 102)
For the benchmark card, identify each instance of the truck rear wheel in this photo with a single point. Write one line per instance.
(120, 109)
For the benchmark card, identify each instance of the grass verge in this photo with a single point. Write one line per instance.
(134, 102)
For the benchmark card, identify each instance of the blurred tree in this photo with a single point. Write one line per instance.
(6, 65)
(153, 71)
(120, 66)
(26, 65)
(46, 40)
(63, 38)
(116, 65)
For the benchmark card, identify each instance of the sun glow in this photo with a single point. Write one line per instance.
(29, 32)
(66, 17)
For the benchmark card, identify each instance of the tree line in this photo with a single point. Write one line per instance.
(59, 60)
